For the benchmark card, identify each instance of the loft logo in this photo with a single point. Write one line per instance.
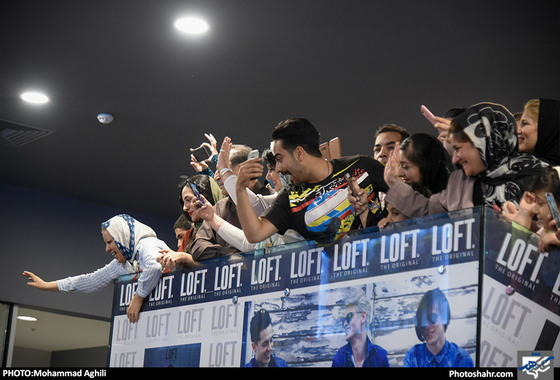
(535, 365)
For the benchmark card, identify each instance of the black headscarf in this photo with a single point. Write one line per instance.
(548, 132)
(492, 129)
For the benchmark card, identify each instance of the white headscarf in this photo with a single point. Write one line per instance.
(127, 231)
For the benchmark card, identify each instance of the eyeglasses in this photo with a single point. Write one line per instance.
(349, 316)
(433, 319)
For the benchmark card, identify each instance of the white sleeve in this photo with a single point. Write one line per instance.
(148, 251)
(259, 202)
(235, 237)
(94, 281)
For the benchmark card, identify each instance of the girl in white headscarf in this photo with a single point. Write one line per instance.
(134, 247)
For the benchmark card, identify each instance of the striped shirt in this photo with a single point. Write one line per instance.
(147, 251)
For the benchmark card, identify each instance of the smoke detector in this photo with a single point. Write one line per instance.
(105, 118)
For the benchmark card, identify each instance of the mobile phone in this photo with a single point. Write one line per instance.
(202, 153)
(350, 183)
(428, 115)
(253, 154)
(553, 208)
(334, 148)
(196, 193)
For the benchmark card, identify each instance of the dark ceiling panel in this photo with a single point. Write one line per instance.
(348, 66)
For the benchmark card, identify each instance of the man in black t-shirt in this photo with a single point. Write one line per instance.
(316, 204)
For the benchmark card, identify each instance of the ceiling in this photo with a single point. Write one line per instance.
(59, 332)
(349, 66)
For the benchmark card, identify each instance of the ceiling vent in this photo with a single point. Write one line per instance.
(17, 135)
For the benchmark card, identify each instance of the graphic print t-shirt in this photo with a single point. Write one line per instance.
(321, 211)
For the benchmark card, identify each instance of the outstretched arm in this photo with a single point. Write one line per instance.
(37, 282)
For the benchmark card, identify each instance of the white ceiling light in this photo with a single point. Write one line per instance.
(192, 25)
(35, 97)
(26, 318)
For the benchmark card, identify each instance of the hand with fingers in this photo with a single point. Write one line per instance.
(391, 172)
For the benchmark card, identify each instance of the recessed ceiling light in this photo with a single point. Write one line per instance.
(35, 97)
(27, 318)
(192, 25)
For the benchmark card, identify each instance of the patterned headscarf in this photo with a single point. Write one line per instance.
(493, 131)
(127, 231)
(548, 132)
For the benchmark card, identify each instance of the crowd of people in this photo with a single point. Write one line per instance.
(482, 155)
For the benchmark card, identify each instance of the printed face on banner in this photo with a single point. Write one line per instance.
(409, 292)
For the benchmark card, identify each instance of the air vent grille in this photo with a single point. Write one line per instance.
(17, 135)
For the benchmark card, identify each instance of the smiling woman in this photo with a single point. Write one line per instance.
(424, 162)
(129, 242)
(492, 172)
(538, 130)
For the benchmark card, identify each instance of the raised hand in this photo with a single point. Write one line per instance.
(391, 172)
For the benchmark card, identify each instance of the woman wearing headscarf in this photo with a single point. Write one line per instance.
(493, 171)
(538, 130)
(211, 191)
(134, 247)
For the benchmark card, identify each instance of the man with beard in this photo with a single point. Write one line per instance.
(316, 204)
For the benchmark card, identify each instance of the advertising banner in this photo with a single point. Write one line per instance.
(382, 286)
(520, 310)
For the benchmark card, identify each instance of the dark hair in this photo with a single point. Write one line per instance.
(425, 312)
(392, 128)
(260, 321)
(182, 222)
(268, 156)
(298, 132)
(547, 180)
(202, 183)
(458, 132)
(453, 112)
(428, 153)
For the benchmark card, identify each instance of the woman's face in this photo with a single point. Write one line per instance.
(273, 178)
(188, 204)
(466, 155)
(111, 246)
(408, 171)
(527, 133)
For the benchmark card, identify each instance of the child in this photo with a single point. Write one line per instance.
(534, 204)
(394, 215)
